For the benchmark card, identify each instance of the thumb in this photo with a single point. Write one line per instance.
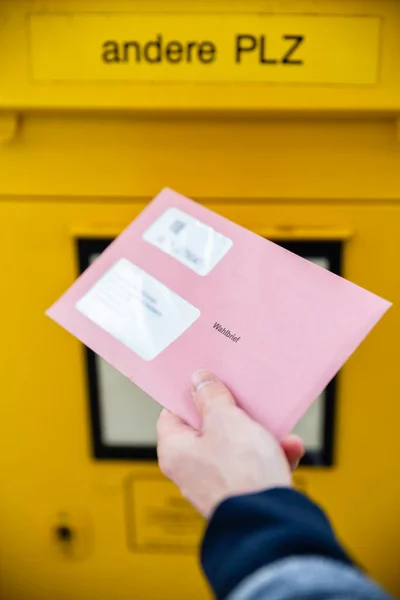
(209, 392)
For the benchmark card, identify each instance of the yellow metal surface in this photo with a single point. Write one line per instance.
(100, 157)
(159, 519)
(217, 48)
(36, 58)
(46, 467)
(8, 126)
(74, 173)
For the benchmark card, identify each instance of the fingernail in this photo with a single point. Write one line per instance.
(202, 378)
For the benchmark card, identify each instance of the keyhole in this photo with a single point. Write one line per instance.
(64, 534)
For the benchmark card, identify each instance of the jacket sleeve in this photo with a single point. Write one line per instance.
(278, 545)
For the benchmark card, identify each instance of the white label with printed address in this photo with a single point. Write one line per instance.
(188, 240)
(137, 309)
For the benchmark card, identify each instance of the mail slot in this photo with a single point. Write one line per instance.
(283, 119)
(123, 417)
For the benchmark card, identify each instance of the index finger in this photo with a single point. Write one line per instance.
(169, 424)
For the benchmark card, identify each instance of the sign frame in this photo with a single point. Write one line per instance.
(330, 249)
(106, 31)
(132, 532)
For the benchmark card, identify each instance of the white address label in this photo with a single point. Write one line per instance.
(188, 240)
(137, 309)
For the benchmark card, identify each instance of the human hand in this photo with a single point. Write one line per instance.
(230, 455)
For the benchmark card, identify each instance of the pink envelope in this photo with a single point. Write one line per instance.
(183, 288)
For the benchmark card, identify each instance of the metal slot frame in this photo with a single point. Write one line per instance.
(329, 249)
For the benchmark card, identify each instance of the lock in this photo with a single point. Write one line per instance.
(71, 535)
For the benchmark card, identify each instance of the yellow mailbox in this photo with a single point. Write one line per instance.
(282, 116)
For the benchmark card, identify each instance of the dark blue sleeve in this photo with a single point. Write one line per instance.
(252, 531)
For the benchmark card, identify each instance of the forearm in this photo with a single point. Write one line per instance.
(278, 545)
(305, 578)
